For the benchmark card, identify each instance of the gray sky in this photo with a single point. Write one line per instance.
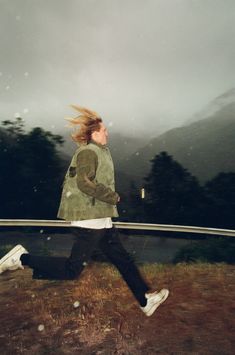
(141, 64)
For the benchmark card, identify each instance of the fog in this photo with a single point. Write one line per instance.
(144, 66)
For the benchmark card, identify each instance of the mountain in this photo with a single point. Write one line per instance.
(205, 147)
(122, 146)
(214, 106)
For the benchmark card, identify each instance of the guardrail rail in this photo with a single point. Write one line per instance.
(121, 225)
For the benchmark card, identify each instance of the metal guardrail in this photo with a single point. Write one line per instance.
(121, 225)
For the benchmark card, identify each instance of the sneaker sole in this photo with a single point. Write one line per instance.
(150, 312)
(10, 254)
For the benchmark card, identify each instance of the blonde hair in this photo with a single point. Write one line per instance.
(89, 122)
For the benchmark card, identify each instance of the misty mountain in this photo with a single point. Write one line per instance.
(122, 146)
(205, 147)
(216, 105)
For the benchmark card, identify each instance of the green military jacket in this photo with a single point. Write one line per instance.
(89, 188)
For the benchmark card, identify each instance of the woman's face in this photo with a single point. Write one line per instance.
(100, 136)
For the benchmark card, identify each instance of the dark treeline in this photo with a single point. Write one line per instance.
(174, 196)
(32, 173)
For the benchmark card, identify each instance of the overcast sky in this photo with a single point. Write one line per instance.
(142, 64)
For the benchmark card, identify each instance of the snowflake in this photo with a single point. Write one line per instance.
(7, 87)
(76, 304)
(69, 193)
(41, 231)
(41, 327)
(26, 74)
(17, 115)
(26, 110)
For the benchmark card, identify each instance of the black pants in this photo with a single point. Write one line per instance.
(60, 268)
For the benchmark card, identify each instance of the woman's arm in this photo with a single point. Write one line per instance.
(87, 162)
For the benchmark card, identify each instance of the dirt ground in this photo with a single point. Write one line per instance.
(98, 314)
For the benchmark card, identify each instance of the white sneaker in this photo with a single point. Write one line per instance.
(154, 300)
(11, 261)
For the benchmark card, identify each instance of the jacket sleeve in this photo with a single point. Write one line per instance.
(87, 162)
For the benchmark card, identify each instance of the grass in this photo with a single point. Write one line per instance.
(197, 318)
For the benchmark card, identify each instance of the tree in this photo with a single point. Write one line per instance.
(220, 193)
(31, 171)
(174, 196)
(135, 204)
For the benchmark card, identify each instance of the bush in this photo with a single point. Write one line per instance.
(210, 250)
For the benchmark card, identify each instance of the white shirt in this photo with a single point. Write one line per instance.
(98, 223)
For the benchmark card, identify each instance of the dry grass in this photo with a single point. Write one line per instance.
(197, 318)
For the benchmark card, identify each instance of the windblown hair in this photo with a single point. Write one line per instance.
(89, 122)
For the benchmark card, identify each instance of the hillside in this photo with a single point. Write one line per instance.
(204, 147)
